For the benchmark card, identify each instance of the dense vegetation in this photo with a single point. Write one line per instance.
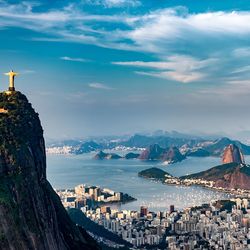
(153, 173)
(19, 126)
(215, 172)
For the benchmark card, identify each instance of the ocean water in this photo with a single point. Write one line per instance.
(67, 171)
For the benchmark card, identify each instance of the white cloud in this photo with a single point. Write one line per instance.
(152, 31)
(174, 62)
(234, 88)
(27, 71)
(242, 69)
(242, 52)
(178, 68)
(162, 33)
(73, 59)
(182, 77)
(97, 85)
(114, 3)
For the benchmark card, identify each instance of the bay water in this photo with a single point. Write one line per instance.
(67, 171)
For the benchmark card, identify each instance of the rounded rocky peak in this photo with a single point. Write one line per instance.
(21, 131)
(19, 122)
(232, 153)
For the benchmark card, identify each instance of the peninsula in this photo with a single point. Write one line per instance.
(232, 176)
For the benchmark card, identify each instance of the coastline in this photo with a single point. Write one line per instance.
(237, 193)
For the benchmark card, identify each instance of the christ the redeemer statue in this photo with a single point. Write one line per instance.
(11, 75)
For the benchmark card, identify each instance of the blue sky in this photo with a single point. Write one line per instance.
(101, 67)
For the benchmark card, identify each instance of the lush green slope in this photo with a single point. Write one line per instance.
(228, 176)
(154, 173)
(213, 173)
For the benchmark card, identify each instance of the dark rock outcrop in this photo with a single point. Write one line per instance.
(157, 153)
(131, 155)
(172, 155)
(109, 156)
(152, 153)
(232, 154)
(154, 173)
(31, 213)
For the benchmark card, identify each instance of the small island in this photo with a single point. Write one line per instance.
(131, 155)
(154, 174)
(152, 153)
(108, 156)
(112, 156)
(166, 155)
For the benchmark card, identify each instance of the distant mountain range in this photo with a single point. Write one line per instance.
(193, 147)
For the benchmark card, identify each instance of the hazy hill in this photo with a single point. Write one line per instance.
(193, 147)
(86, 147)
(217, 147)
(142, 141)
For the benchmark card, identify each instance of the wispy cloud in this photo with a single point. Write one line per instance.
(178, 68)
(73, 59)
(162, 34)
(170, 24)
(176, 76)
(97, 85)
(153, 31)
(242, 69)
(234, 88)
(76, 95)
(114, 3)
(27, 71)
(69, 23)
(242, 52)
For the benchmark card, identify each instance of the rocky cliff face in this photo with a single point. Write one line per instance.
(31, 214)
(109, 156)
(157, 153)
(232, 154)
(153, 152)
(172, 155)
